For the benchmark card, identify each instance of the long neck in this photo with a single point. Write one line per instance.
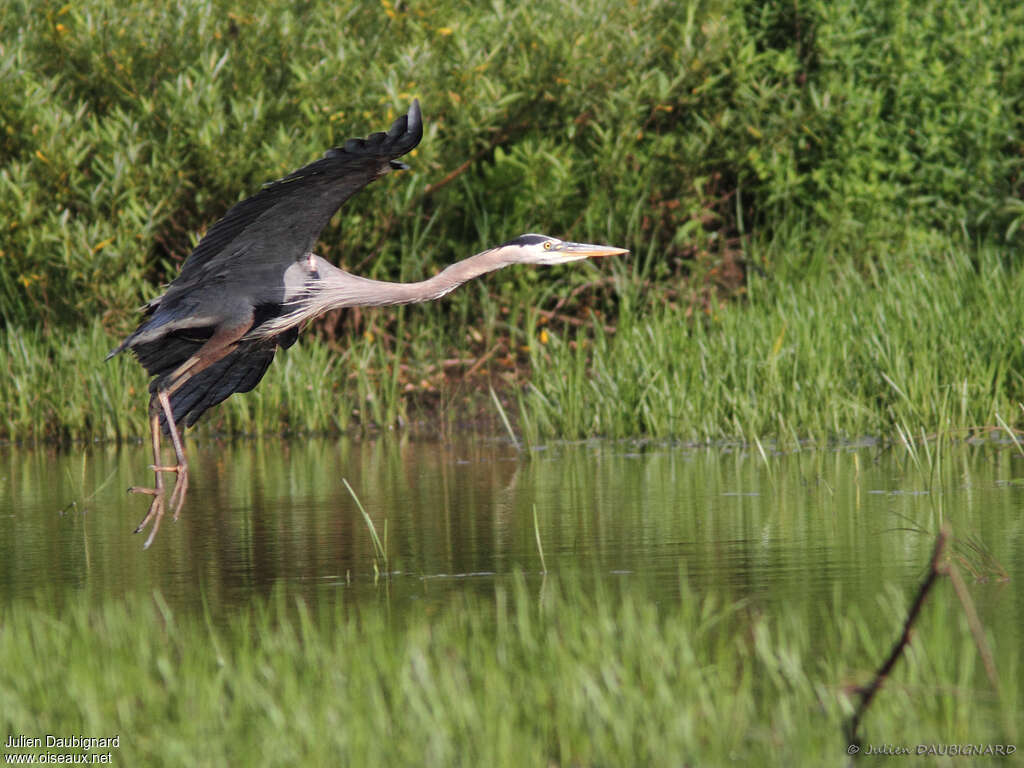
(314, 286)
(346, 290)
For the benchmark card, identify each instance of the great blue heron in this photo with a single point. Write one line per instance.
(253, 280)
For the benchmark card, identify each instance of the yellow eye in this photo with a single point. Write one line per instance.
(547, 245)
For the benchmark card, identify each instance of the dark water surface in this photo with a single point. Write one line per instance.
(790, 530)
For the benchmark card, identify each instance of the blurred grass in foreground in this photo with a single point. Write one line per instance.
(564, 676)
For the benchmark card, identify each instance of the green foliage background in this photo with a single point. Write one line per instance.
(801, 137)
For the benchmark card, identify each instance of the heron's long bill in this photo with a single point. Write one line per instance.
(576, 251)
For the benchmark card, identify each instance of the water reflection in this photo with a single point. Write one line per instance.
(779, 529)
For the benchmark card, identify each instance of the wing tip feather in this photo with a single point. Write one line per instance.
(403, 136)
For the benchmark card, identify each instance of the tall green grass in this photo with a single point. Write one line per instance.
(933, 344)
(569, 675)
(60, 387)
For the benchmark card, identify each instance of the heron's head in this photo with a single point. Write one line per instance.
(541, 249)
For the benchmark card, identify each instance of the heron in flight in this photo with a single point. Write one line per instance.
(254, 280)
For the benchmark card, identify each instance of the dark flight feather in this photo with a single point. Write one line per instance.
(235, 275)
(244, 255)
(319, 188)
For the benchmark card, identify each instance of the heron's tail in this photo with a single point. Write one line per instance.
(239, 371)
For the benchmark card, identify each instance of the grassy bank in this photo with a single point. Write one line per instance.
(822, 203)
(563, 677)
(927, 346)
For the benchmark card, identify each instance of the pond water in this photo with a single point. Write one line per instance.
(791, 530)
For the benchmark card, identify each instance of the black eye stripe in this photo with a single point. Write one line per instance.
(527, 240)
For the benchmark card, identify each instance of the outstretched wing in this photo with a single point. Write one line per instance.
(282, 221)
(239, 265)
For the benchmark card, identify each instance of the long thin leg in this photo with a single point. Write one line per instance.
(161, 401)
(181, 484)
(222, 343)
(156, 507)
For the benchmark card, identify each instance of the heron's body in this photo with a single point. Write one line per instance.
(253, 280)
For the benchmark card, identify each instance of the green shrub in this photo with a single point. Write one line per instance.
(671, 128)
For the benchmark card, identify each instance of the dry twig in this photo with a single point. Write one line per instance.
(868, 694)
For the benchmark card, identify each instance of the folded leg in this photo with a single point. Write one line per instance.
(222, 343)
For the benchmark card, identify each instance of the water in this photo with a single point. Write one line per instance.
(788, 531)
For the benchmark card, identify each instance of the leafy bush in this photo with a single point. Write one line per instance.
(671, 128)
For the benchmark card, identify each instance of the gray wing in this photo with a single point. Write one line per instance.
(281, 222)
(239, 265)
